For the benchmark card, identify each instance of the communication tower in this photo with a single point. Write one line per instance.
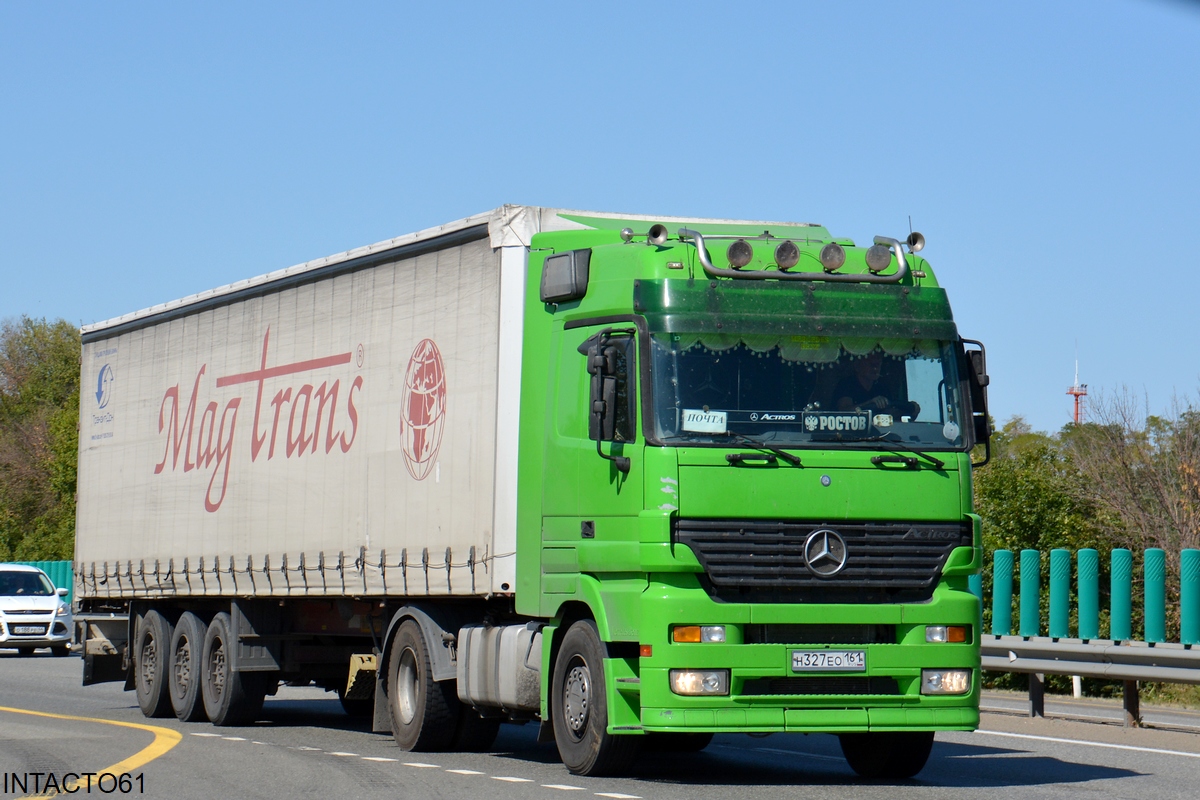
(1078, 391)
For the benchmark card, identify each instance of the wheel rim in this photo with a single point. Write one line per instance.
(182, 666)
(216, 669)
(576, 697)
(148, 664)
(406, 686)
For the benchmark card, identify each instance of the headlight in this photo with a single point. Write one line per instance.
(945, 681)
(739, 253)
(833, 256)
(787, 255)
(700, 681)
(954, 634)
(878, 257)
(63, 611)
(698, 633)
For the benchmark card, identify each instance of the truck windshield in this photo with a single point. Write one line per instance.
(806, 391)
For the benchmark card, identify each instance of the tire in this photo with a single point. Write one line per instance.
(677, 742)
(230, 698)
(579, 707)
(62, 651)
(25, 651)
(150, 656)
(360, 708)
(187, 647)
(892, 756)
(475, 734)
(424, 711)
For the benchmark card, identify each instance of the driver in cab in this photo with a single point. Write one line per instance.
(861, 390)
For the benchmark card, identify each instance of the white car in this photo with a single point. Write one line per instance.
(33, 613)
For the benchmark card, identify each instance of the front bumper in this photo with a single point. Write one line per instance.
(761, 674)
(55, 630)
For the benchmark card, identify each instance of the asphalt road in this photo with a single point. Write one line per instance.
(304, 746)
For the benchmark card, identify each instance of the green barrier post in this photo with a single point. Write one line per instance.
(1189, 597)
(1060, 593)
(1088, 578)
(1120, 625)
(1002, 576)
(1031, 573)
(1154, 597)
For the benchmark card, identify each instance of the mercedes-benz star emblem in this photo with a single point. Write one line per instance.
(825, 553)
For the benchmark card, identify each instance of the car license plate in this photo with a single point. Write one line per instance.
(28, 630)
(829, 661)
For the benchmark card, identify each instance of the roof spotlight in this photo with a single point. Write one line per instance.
(739, 253)
(833, 256)
(878, 257)
(787, 255)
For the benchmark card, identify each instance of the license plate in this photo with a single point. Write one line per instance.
(829, 661)
(28, 630)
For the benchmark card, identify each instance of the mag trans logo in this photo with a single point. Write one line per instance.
(294, 417)
(104, 386)
(102, 418)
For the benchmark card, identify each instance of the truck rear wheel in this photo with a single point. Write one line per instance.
(230, 698)
(424, 711)
(579, 707)
(151, 652)
(887, 755)
(187, 644)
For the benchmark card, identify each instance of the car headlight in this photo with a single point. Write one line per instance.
(945, 681)
(63, 610)
(700, 681)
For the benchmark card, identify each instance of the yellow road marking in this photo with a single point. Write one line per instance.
(164, 740)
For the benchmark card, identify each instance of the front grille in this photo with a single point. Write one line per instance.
(809, 686)
(43, 612)
(763, 560)
(820, 634)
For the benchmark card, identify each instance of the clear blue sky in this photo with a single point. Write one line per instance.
(1050, 152)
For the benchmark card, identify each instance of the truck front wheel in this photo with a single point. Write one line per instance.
(579, 707)
(187, 643)
(230, 698)
(151, 652)
(424, 711)
(887, 755)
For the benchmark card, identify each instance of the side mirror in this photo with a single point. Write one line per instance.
(565, 276)
(607, 363)
(62, 592)
(974, 363)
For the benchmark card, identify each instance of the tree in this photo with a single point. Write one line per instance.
(39, 438)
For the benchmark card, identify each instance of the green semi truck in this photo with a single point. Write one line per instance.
(635, 480)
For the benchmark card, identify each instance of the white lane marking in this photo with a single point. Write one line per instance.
(345, 755)
(618, 796)
(420, 765)
(562, 786)
(1091, 744)
(233, 738)
(217, 735)
(796, 753)
(465, 771)
(309, 749)
(377, 758)
(510, 779)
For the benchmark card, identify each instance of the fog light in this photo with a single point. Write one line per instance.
(878, 257)
(700, 682)
(954, 634)
(787, 255)
(945, 681)
(693, 634)
(833, 256)
(739, 253)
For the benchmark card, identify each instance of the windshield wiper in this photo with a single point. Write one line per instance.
(760, 444)
(886, 437)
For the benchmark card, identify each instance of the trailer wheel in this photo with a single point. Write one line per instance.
(187, 645)
(474, 734)
(151, 647)
(579, 705)
(230, 698)
(424, 711)
(887, 755)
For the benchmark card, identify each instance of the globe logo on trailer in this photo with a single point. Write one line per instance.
(104, 386)
(423, 409)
